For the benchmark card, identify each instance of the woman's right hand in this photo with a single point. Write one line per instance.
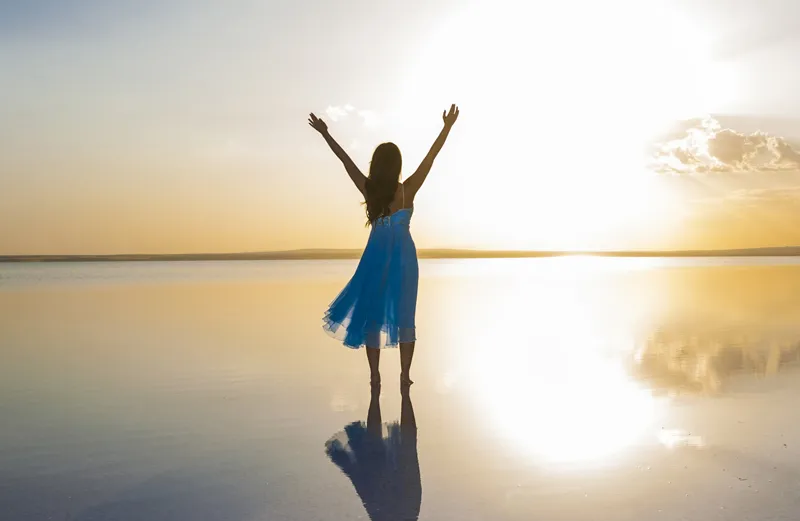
(449, 118)
(317, 124)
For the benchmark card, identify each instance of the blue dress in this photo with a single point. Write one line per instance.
(376, 308)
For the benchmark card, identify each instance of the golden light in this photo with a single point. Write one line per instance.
(559, 100)
(586, 412)
(555, 390)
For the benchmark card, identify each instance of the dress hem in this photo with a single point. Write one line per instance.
(338, 331)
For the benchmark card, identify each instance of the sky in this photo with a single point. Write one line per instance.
(177, 126)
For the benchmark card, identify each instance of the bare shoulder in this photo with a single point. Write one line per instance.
(406, 192)
(403, 198)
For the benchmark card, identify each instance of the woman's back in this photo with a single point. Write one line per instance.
(399, 213)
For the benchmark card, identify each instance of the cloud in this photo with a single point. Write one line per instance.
(702, 146)
(335, 112)
(369, 118)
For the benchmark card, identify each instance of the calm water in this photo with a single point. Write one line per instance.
(568, 388)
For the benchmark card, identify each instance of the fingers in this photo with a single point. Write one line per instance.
(316, 123)
(451, 115)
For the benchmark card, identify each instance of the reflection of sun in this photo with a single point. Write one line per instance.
(558, 101)
(566, 413)
(542, 370)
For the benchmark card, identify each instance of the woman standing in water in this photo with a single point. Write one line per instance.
(376, 308)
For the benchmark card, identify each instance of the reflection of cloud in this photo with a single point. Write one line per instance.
(700, 359)
(702, 145)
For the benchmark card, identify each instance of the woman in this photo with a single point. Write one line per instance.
(376, 308)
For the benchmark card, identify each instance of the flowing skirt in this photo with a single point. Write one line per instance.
(377, 307)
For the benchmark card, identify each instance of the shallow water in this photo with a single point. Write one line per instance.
(566, 388)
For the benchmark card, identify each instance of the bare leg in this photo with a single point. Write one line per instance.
(374, 358)
(406, 355)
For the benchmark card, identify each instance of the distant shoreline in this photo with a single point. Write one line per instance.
(789, 251)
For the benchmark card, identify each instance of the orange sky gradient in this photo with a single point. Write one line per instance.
(179, 127)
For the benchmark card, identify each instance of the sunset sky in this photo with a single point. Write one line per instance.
(167, 126)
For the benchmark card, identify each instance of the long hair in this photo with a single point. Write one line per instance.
(384, 175)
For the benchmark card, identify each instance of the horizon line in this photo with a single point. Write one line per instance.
(429, 253)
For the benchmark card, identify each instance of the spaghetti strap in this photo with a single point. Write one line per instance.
(403, 194)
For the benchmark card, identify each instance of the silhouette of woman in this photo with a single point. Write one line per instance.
(383, 470)
(377, 306)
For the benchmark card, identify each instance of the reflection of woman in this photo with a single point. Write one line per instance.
(383, 470)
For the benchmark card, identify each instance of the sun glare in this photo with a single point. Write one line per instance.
(559, 101)
(582, 410)
(557, 391)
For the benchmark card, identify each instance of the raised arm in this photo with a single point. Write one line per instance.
(413, 183)
(352, 170)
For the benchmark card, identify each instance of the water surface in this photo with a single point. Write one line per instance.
(564, 388)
